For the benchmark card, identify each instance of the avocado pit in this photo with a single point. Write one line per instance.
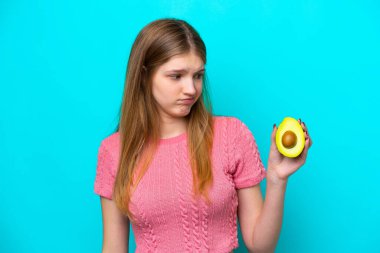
(289, 139)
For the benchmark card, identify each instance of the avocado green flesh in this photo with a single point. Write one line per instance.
(292, 125)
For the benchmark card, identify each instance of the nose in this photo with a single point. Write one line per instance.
(189, 87)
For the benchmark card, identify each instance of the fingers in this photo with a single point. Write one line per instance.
(304, 127)
(310, 141)
(307, 137)
(273, 135)
(305, 149)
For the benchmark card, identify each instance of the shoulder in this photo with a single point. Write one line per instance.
(111, 143)
(231, 128)
(231, 123)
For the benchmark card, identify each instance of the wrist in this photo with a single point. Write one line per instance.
(274, 179)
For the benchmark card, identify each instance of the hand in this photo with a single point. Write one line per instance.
(281, 167)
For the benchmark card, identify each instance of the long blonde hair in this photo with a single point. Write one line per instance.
(139, 124)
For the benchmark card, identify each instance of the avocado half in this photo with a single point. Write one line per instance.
(290, 139)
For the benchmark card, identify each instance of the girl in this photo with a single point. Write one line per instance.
(179, 174)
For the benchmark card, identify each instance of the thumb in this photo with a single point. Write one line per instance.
(273, 135)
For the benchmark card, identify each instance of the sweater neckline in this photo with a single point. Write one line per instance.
(174, 139)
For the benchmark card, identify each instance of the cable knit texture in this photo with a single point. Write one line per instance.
(169, 219)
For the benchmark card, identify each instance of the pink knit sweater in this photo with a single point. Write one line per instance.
(168, 219)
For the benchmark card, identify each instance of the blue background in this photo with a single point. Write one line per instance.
(62, 70)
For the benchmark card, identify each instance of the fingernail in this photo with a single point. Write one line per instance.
(274, 125)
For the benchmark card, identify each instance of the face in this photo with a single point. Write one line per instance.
(175, 81)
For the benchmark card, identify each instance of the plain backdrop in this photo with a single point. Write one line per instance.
(62, 72)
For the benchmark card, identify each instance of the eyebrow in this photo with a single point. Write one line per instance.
(183, 70)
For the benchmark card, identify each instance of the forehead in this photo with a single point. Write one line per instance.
(189, 61)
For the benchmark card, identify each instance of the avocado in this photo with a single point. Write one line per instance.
(290, 138)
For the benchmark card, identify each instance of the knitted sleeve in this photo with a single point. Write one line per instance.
(105, 176)
(247, 168)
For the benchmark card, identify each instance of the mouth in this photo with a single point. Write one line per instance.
(187, 101)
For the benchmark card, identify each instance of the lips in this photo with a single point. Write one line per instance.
(187, 101)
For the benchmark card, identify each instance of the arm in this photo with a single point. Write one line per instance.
(249, 208)
(260, 222)
(268, 224)
(115, 228)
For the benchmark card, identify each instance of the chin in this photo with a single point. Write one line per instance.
(183, 112)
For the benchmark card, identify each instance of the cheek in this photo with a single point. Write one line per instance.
(199, 88)
(164, 92)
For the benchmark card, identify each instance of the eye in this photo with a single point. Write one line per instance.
(199, 76)
(175, 77)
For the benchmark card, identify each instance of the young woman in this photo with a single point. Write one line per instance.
(179, 174)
